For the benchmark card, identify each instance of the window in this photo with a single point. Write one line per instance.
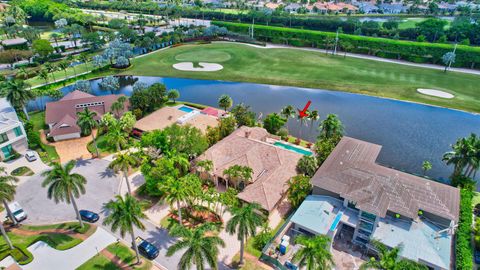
(7, 151)
(3, 137)
(18, 131)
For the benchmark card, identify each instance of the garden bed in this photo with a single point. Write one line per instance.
(22, 171)
(196, 215)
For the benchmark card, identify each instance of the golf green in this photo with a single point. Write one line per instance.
(310, 69)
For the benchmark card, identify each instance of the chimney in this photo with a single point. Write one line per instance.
(247, 134)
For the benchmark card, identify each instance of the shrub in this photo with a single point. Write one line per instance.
(464, 254)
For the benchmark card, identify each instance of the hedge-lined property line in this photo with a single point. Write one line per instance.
(464, 254)
(418, 52)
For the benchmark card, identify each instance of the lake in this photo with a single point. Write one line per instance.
(410, 133)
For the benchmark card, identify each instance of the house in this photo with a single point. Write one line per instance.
(352, 194)
(292, 7)
(15, 43)
(61, 116)
(393, 8)
(272, 6)
(12, 133)
(366, 7)
(272, 164)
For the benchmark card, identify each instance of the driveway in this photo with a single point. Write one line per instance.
(50, 258)
(71, 149)
(102, 186)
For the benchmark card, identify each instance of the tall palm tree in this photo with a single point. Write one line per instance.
(176, 191)
(71, 59)
(331, 127)
(288, 112)
(116, 136)
(51, 69)
(18, 95)
(314, 252)
(63, 185)
(200, 248)
(86, 121)
(225, 102)
(124, 162)
(43, 74)
(125, 214)
(244, 222)
(389, 259)
(7, 192)
(463, 153)
(22, 72)
(63, 65)
(313, 116)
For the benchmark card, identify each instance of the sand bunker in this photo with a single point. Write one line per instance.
(435, 93)
(188, 66)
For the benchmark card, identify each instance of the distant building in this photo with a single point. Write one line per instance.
(272, 6)
(292, 7)
(61, 116)
(15, 43)
(12, 133)
(393, 8)
(366, 7)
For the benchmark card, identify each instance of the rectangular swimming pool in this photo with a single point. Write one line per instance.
(185, 109)
(293, 148)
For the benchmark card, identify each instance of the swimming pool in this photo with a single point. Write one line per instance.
(293, 148)
(185, 109)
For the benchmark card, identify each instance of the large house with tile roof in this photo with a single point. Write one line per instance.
(61, 116)
(254, 147)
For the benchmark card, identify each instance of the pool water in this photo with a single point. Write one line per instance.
(185, 109)
(293, 148)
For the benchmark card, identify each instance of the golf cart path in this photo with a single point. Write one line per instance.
(361, 56)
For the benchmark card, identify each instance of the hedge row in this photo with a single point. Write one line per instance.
(464, 254)
(418, 52)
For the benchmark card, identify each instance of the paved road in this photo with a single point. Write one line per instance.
(102, 186)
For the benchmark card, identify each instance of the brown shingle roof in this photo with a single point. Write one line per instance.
(351, 172)
(272, 166)
(56, 112)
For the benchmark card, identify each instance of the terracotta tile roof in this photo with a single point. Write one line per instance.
(272, 166)
(159, 119)
(72, 103)
(351, 172)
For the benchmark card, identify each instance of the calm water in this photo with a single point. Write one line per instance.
(410, 133)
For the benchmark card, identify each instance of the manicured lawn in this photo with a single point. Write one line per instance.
(315, 70)
(60, 74)
(55, 240)
(123, 252)
(476, 199)
(38, 121)
(22, 171)
(103, 147)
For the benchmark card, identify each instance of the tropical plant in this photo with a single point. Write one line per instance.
(177, 191)
(225, 102)
(298, 189)
(63, 185)
(307, 165)
(448, 59)
(389, 259)
(18, 95)
(273, 122)
(244, 222)
(204, 166)
(110, 83)
(426, 166)
(63, 65)
(331, 127)
(314, 252)
(7, 193)
(86, 121)
(125, 214)
(243, 115)
(82, 85)
(173, 94)
(465, 156)
(313, 116)
(288, 112)
(43, 74)
(200, 246)
(123, 162)
(51, 68)
(239, 175)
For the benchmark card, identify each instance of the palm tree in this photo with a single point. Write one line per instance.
(244, 222)
(18, 95)
(462, 154)
(124, 162)
(173, 94)
(43, 74)
(331, 127)
(22, 72)
(205, 166)
(116, 136)
(238, 173)
(225, 102)
(177, 191)
(199, 246)
(84, 58)
(86, 121)
(314, 252)
(71, 59)
(51, 68)
(55, 37)
(389, 259)
(7, 192)
(63, 185)
(63, 65)
(313, 116)
(288, 112)
(124, 214)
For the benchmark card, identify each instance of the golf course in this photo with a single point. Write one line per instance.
(308, 69)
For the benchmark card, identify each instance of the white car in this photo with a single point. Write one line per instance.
(30, 155)
(17, 211)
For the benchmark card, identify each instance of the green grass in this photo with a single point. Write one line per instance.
(316, 70)
(248, 264)
(38, 121)
(22, 171)
(104, 148)
(60, 74)
(475, 199)
(123, 252)
(412, 23)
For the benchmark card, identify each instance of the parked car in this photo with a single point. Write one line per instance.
(30, 155)
(477, 256)
(290, 265)
(89, 216)
(146, 248)
(17, 211)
